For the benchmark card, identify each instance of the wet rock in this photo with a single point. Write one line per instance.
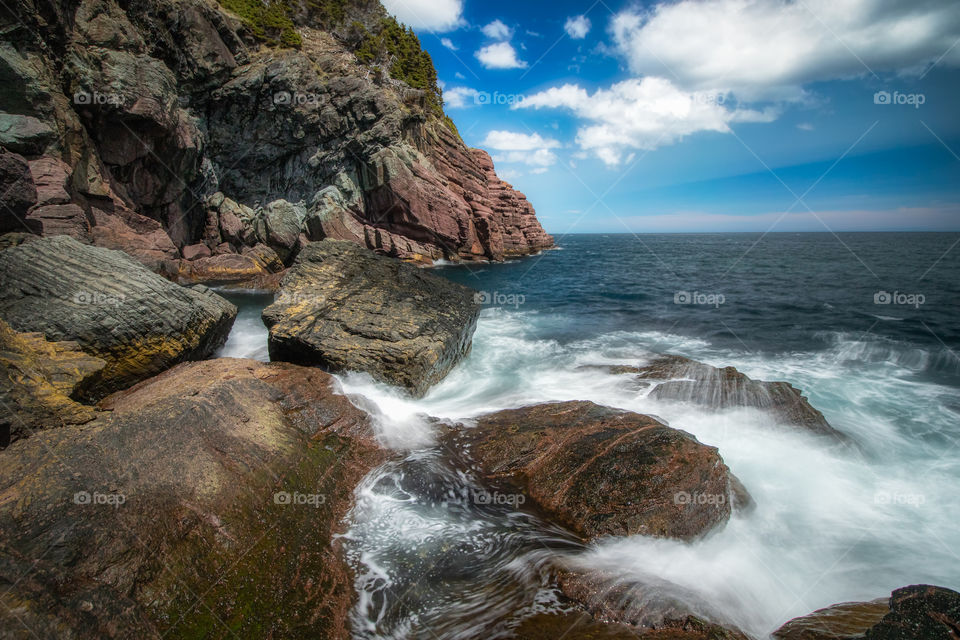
(917, 611)
(581, 626)
(602, 471)
(203, 503)
(112, 306)
(685, 380)
(345, 308)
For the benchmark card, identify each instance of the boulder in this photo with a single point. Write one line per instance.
(577, 625)
(140, 237)
(24, 134)
(345, 308)
(17, 193)
(39, 382)
(682, 379)
(112, 306)
(603, 471)
(203, 503)
(283, 221)
(62, 220)
(918, 611)
(51, 175)
(196, 251)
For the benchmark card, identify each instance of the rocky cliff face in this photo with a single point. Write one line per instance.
(164, 126)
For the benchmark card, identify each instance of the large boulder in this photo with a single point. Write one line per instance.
(345, 308)
(112, 306)
(39, 382)
(681, 379)
(603, 471)
(918, 611)
(205, 503)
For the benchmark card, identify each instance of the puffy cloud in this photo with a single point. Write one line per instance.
(531, 149)
(448, 43)
(768, 49)
(501, 55)
(577, 27)
(640, 114)
(459, 97)
(428, 15)
(496, 30)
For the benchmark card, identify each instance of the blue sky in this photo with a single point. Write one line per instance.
(709, 115)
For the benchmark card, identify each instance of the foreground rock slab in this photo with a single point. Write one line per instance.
(918, 611)
(112, 306)
(602, 471)
(345, 308)
(202, 504)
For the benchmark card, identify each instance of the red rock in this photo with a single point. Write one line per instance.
(62, 220)
(51, 176)
(196, 251)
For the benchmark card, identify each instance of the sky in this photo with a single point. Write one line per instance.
(709, 115)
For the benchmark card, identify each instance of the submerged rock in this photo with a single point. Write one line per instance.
(602, 471)
(918, 611)
(203, 503)
(112, 306)
(682, 379)
(345, 308)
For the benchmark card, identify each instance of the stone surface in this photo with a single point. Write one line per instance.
(169, 514)
(343, 307)
(602, 471)
(581, 626)
(24, 134)
(17, 193)
(112, 306)
(685, 380)
(196, 251)
(39, 382)
(838, 622)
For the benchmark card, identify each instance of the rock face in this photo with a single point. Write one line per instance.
(602, 471)
(174, 112)
(344, 307)
(203, 504)
(686, 380)
(917, 611)
(112, 306)
(17, 193)
(39, 383)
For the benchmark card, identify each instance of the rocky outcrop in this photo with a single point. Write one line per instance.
(17, 193)
(917, 611)
(174, 112)
(203, 503)
(112, 306)
(581, 626)
(681, 379)
(345, 308)
(40, 382)
(602, 471)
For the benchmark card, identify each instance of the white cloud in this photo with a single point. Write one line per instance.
(459, 76)
(577, 27)
(805, 126)
(768, 49)
(448, 43)
(499, 56)
(538, 170)
(508, 175)
(640, 114)
(428, 15)
(531, 149)
(496, 30)
(459, 97)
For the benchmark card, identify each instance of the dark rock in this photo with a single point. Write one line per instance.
(17, 194)
(24, 134)
(602, 471)
(343, 307)
(112, 306)
(576, 625)
(203, 503)
(843, 621)
(685, 380)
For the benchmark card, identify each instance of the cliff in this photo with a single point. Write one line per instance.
(210, 141)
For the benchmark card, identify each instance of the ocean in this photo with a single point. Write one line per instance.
(866, 324)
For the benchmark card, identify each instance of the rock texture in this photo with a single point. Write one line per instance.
(17, 193)
(918, 611)
(203, 504)
(682, 379)
(40, 382)
(602, 471)
(113, 307)
(344, 307)
(174, 112)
